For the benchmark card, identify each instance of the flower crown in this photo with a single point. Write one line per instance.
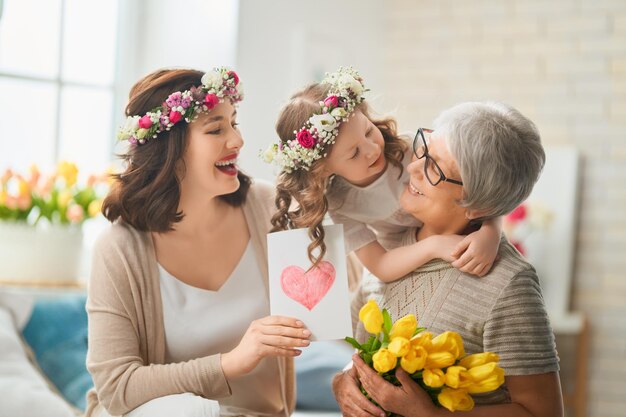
(186, 105)
(321, 129)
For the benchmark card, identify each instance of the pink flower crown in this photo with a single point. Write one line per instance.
(186, 105)
(321, 129)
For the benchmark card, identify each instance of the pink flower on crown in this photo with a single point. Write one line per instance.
(196, 93)
(211, 100)
(234, 76)
(306, 139)
(145, 122)
(174, 99)
(331, 101)
(175, 117)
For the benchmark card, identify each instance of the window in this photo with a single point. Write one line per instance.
(57, 79)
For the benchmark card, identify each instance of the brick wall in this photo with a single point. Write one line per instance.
(563, 64)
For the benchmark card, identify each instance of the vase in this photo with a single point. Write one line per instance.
(41, 254)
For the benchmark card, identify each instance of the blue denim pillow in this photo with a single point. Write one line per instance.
(57, 333)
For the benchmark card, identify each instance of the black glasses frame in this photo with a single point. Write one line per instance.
(423, 153)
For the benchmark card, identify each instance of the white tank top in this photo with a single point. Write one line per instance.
(201, 322)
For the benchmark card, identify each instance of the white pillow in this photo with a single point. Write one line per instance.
(23, 391)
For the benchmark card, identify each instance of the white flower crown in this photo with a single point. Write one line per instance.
(321, 129)
(185, 105)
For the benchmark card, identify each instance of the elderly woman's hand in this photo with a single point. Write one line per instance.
(407, 400)
(349, 397)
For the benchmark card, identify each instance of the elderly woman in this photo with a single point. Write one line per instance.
(495, 155)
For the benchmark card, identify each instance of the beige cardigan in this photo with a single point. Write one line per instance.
(126, 350)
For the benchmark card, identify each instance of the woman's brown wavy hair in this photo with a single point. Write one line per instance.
(308, 188)
(146, 195)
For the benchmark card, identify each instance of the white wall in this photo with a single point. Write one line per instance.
(276, 46)
(199, 34)
(283, 45)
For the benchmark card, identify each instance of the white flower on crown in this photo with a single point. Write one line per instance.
(212, 79)
(347, 82)
(141, 133)
(268, 154)
(132, 123)
(323, 122)
(338, 112)
(130, 127)
(345, 92)
(217, 85)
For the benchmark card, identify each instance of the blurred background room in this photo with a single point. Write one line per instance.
(66, 67)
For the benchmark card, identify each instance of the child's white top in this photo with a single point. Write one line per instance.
(372, 212)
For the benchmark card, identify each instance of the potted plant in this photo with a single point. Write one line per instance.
(41, 218)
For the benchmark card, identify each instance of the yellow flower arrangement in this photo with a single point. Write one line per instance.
(437, 363)
(58, 197)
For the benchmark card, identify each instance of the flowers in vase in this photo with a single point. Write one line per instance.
(58, 197)
(437, 363)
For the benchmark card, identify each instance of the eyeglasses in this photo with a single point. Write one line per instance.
(433, 172)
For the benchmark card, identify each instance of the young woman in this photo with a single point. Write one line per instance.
(178, 298)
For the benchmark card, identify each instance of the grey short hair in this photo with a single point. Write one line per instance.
(498, 151)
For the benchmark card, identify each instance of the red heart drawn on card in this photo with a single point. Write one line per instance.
(309, 287)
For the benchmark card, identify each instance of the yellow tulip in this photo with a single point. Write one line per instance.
(478, 359)
(434, 378)
(455, 399)
(481, 372)
(399, 346)
(384, 360)
(3, 197)
(449, 342)
(458, 377)
(487, 377)
(94, 208)
(23, 188)
(64, 198)
(414, 360)
(404, 327)
(439, 360)
(371, 317)
(69, 172)
(424, 339)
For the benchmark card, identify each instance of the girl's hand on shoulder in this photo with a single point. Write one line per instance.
(443, 246)
(269, 336)
(475, 255)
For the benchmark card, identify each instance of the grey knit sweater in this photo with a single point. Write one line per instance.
(502, 312)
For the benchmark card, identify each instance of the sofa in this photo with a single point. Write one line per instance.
(43, 346)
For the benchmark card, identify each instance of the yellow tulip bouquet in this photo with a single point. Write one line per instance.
(438, 364)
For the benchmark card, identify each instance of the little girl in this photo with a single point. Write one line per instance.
(336, 158)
